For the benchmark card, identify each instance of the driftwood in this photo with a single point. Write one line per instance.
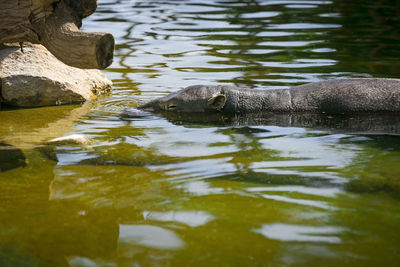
(55, 24)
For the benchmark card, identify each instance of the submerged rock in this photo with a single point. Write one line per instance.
(35, 78)
(10, 157)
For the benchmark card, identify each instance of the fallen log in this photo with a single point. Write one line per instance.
(55, 24)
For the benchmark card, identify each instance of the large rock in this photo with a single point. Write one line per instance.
(35, 78)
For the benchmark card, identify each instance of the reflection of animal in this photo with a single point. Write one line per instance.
(332, 96)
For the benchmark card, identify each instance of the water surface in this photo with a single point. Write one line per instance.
(180, 191)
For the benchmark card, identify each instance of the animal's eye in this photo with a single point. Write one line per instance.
(171, 107)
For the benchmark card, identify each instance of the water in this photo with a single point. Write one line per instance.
(156, 191)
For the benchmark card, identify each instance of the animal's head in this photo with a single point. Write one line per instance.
(197, 98)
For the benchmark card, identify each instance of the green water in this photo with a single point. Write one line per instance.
(157, 191)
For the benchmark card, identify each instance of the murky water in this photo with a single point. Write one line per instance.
(156, 191)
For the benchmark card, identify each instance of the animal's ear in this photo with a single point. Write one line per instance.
(216, 102)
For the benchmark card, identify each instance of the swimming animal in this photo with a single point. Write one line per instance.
(341, 96)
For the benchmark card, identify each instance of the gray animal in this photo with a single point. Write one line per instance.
(355, 95)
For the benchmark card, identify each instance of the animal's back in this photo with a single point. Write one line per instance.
(348, 95)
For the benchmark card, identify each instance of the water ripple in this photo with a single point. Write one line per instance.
(300, 233)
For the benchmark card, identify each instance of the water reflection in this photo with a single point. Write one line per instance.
(323, 192)
(31, 233)
(298, 201)
(355, 123)
(190, 218)
(200, 188)
(28, 128)
(149, 236)
(298, 233)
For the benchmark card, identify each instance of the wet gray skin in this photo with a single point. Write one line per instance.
(332, 96)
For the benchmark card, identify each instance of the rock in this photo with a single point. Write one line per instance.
(35, 78)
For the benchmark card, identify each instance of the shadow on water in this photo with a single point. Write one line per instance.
(10, 157)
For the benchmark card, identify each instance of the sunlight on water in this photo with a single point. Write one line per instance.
(216, 191)
(300, 233)
(190, 218)
(149, 236)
